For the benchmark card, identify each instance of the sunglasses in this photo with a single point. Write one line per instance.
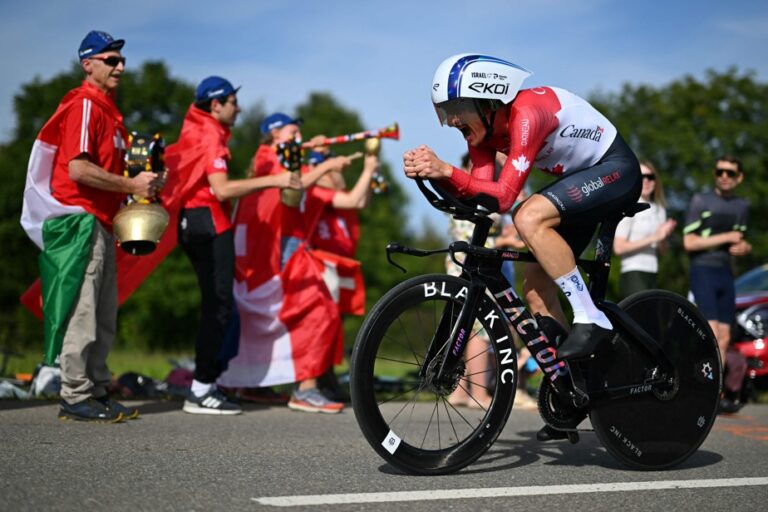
(649, 177)
(729, 172)
(111, 61)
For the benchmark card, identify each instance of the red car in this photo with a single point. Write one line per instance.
(750, 334)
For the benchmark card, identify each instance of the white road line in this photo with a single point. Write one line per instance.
(500, 492)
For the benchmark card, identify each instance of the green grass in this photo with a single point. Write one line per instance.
(156, 365)
(153, 365)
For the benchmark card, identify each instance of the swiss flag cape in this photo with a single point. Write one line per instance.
(202, 140)
(342, 275)
(290, 326)
(344, 279)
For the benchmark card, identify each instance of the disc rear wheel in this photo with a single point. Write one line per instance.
(658, 425)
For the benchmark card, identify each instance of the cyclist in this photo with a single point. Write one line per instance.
(559, 133)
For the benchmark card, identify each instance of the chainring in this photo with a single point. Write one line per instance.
(554, 413)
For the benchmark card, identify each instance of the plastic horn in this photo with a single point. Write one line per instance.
(390, 132)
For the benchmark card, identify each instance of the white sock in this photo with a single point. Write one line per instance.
(584, 310)
(200, 388)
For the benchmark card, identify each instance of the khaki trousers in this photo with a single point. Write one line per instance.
(92, 325)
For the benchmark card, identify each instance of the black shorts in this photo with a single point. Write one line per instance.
(586, 197)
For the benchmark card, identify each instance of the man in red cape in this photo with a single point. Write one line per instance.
(205, 232)
(74, 187)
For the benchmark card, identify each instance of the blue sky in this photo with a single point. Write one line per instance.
(377, 58)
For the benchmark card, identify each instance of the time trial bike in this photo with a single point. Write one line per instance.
(651, 392)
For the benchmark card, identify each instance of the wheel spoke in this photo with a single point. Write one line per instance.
(429, 424)
(398, 356)
(398, 395)
(450, 420)
(398, 361)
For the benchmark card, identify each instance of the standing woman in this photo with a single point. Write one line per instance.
(639, 239)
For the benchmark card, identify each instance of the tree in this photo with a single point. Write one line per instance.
(682, 128)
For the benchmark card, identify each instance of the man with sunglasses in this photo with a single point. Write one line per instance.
(715, 225)
(75, 185)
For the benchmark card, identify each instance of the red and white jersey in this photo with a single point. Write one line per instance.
(93, 126)
(549, 128)
(337, 232)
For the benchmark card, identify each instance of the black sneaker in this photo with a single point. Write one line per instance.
(129, 413)
(582, 341)
(728, 406)
(213, 402)
(89, 410)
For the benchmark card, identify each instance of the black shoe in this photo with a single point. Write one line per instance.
(547, 433)
(89, 410)
(728, 406)
(582, 341)
(129, 413)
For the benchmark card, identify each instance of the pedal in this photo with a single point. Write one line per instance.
(573, 436)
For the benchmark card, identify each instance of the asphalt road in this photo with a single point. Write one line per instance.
(268, 456)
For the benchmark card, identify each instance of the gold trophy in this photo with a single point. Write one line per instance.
(141, 222)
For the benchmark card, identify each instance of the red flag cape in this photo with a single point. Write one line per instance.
(344, 279)
(290, 327)
(202, 140)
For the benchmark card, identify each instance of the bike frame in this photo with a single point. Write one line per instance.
(482, 268)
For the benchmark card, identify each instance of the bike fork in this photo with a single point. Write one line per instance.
(453, 333)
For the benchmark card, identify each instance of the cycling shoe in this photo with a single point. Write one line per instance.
(547, 433)
(582, 341)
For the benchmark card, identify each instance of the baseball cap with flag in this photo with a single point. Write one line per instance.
(96, 42)
(277, 120)
(214, 87)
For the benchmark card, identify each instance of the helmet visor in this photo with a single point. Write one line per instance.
(457, 112)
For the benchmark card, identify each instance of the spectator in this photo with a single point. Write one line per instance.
(78, 156)
(333, 226)
(715, 225)
(205, 231)
(337, 228)
(264, 355)
(509, 238)
(471, 392)
(639, 239)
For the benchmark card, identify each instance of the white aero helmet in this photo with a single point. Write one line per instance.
(471, 83)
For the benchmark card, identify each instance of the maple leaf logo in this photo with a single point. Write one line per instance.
(521, 164)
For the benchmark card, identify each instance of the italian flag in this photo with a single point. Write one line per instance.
(63, 232)
(46, 220)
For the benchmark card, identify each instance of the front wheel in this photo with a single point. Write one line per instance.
(411, 418)
(657, 427)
